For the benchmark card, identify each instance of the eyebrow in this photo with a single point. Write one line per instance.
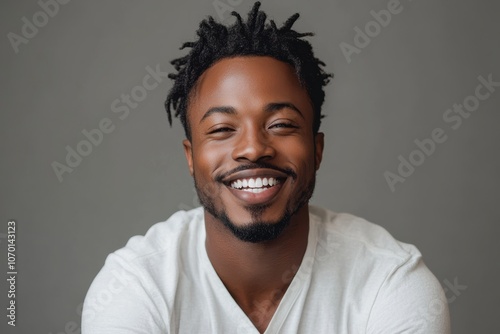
(222, 110)
(282, 105)
(271, 107)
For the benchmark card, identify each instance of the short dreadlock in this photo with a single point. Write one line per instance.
(251, 38)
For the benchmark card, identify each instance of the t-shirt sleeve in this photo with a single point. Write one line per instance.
(118, 302)
(410, 300)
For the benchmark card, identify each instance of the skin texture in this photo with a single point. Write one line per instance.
(251, 117)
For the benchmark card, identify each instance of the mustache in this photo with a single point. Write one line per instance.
(256, 165)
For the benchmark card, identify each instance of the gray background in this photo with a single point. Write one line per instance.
(394, 91)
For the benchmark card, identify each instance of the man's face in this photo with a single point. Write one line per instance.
(253, 154)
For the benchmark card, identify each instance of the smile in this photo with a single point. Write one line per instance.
(256, 185)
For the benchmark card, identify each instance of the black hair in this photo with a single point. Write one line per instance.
(254, 37)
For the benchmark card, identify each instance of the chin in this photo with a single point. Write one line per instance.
(256, 224)
(256, 230)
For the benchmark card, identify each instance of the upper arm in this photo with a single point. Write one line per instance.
(410, 300)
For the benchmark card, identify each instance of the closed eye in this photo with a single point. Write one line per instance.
(284, 125)
(220, 130)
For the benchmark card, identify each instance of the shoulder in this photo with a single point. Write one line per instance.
(179, 229)
(137, 282)
(355, 233)
(401, 291)
(163, 245)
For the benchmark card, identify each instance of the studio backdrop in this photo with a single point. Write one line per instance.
(88, 158)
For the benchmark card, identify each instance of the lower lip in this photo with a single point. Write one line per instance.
(251, 198)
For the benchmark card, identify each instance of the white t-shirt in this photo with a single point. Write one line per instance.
(354, 278)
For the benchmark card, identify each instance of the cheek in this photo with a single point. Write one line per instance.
(206, 161)
(300, 153)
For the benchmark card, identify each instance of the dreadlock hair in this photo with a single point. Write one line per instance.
(254, 37)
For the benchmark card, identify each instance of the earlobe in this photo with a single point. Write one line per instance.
(319, 142)
(188, 151)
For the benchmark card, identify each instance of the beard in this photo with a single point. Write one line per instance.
(257, 230)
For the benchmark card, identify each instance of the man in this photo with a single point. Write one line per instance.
(256, 257)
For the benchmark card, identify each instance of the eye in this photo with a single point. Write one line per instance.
(284, 125)
(220, 130)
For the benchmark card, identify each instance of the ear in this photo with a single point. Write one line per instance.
(319, 143)
(188, 151)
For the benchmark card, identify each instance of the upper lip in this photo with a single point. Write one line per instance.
(254, 173)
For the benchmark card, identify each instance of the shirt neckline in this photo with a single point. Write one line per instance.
(299, 282)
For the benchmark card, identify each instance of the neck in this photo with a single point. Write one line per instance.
(257, 274)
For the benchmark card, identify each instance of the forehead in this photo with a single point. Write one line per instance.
(247, 83)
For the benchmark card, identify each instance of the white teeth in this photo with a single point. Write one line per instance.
(255, 190)
(257, 184)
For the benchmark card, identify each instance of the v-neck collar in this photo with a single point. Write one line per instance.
(299, 282)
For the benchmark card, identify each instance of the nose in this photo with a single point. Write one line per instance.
(253, 145)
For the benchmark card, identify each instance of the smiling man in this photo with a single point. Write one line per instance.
(256, 257)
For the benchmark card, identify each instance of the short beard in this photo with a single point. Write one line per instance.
(256, 231)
